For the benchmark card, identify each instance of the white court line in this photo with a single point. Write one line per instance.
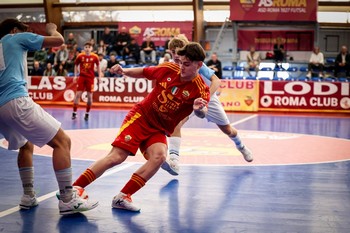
(49, 195)
(244, 119)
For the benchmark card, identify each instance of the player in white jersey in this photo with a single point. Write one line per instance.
(24, 123)
(215, 114)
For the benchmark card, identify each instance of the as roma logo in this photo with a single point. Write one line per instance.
(247, 4)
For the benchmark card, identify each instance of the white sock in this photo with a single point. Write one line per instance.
(64, 180)
(174, 146)
(27, 178)
(238, 142)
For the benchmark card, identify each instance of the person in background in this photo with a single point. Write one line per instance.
(61, 55)
(103, 65)
(71, 41)
(122, 40)
(69, 65)
(316, 61)
(101, 48)
(215, 64)
(278, 51)
(165, 58)
(25, 123)
(253, 61)
(111, 62)
(41, 56)
(108, 39)
(49, 71)
(132, 50)
(85, 66)
(61, 71)
(148, 48)
(37, 70)
(342, 62)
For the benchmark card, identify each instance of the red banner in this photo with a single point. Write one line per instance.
(305, 96)
(160, 32)
(273, 10)
(264, 40)
(110, 92)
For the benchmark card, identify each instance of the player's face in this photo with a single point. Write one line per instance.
(176, 58)
(189, 69)
(87, 49)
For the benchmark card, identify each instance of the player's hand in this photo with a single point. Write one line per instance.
(117, 69)
(200, 107)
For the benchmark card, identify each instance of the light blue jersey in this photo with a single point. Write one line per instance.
(13, 71)
(206, 73)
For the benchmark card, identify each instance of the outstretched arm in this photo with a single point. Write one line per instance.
(131, 72)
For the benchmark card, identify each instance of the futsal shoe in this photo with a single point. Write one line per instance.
(171, 165)
(86, 117)
(247, 154)
(28, 202)
(74, 116)
(123, 201)
(76, 205)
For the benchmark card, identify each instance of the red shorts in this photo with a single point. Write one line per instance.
(85, 84)
(136, 133)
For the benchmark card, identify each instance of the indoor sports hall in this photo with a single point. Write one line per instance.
(298, 182)
(294, 117)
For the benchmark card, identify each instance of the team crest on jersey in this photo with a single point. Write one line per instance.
(185, 94)
(174, 90)
(127, 138)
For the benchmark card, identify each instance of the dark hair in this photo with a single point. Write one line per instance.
(9, 24)
(192, 51)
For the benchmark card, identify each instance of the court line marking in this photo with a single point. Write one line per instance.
(52, 194)
(244, 119)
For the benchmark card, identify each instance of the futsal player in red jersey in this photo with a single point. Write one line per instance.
(178, 91)
(85, 66)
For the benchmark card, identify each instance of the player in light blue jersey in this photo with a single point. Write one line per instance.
(24, 123)
(215, 114)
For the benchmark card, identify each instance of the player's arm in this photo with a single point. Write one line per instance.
(136, 72)
(54, 38)
(215, 84)
(200, 107)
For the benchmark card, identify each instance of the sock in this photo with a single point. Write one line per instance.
(27, 178)
(64, 179)
(134, 184)
(237, 140)
(88, 107)
(86, 178)
(174, 146)
(75, 107)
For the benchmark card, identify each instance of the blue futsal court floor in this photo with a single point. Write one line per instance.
(299, 180)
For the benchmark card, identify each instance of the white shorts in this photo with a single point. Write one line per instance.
(23, 120)
(216, 112)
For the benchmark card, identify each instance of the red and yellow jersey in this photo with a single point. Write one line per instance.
(171, 100)
(86, 64)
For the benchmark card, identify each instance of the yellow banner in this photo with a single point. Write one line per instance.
(239, 95)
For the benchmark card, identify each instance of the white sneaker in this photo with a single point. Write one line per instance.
(247, 154)
(171, 165)
(28, 202)
(76, 205)
(123, 201)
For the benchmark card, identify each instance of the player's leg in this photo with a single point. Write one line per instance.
(76, 104)
(155, 155)
(217, 115)
(171, 164)
(88, 105)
